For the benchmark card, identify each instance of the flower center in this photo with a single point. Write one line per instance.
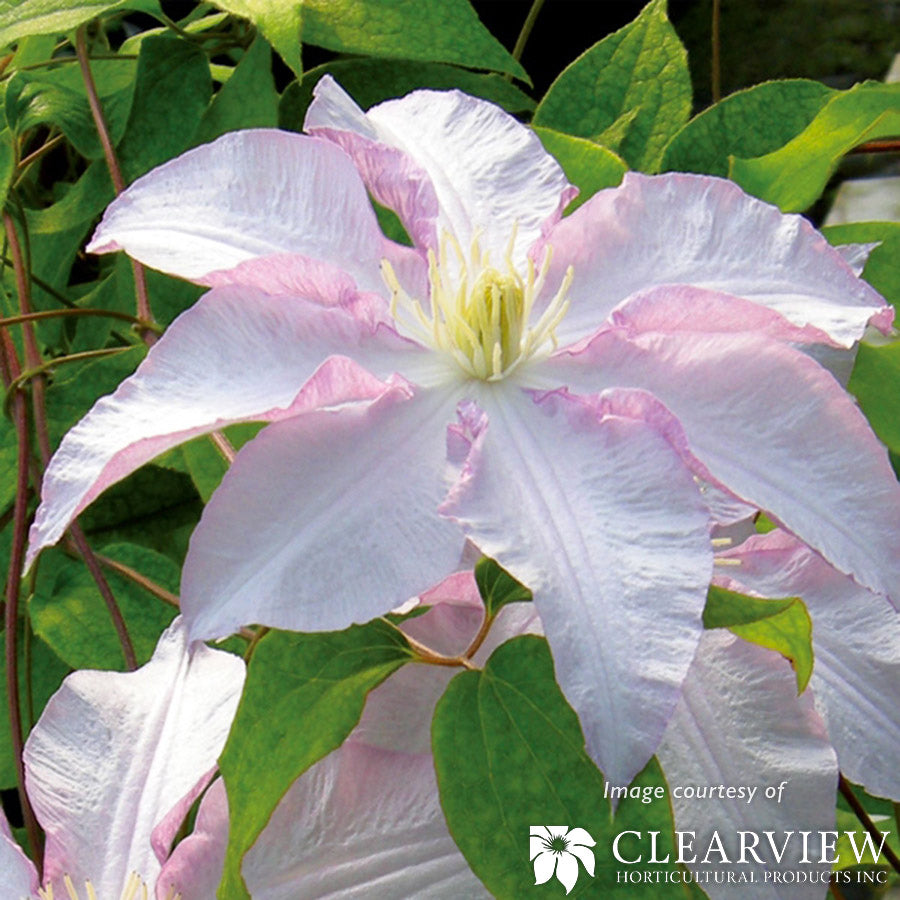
(479, 314)
(135, 889)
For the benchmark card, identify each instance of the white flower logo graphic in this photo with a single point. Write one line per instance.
(556, 850)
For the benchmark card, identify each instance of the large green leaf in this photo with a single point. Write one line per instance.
(635, 79)
(172, 91)
(509, 754)
(748, 123)
(23, 18)
(794, 176)
(781, 624)
(882, 269)
(369, 81)
(280, 22)
(447, 31)
(875, 382)
(587, 165)
(72, 617)
(247, 100)
(58, 97)
(304, 694)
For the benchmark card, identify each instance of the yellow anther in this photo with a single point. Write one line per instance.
(484, 328)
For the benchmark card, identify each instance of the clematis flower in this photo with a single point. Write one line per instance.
(564, 392)
(113, 766)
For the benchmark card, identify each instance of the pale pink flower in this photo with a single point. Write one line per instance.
(602, 376)
(114, 764)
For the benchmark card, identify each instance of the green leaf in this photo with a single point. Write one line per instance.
(7, 163)
(587, 165)
(794, 176)
(882, 269)
(279, 21)
(747, 123)
(24, 18)
(641, 69)
(58, 97)
(77, 385)
(497, 587)
(172, 90)
(74, 621)
(370, 81)
(509, 754)
(247, 100)
(46, 672)
(447, 31)
(875, 382)
(304, 694)
(205, 464)
(9, 456)
(781, 624)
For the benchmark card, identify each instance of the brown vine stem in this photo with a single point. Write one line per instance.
(432, 657)
(11, 612)
(36, 366)
(867, 823)
(144, 313)
(37, 154)
(81, 311)
(889, 145)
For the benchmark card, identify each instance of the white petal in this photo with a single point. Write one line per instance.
(248, 194)
(18, 876)
(704, 231)
(741, 724)
(113, 753)
(444, 160)
(592, 508)
(772, 427)
(324, 520)
(360, 824)
(237, 355)
(856, 643)
(580, 836)
(585, 854)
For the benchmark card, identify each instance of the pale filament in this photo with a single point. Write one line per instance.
(479, 315)
(135, 889)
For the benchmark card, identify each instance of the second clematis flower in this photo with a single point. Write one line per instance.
(570, 394)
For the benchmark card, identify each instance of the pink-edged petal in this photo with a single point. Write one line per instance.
(248, 194)
(325, 519)
(445, 160)
(18, 876)
(704, 231)
(567, 871)
(194, 869)
(544, 866)
(741, 724)
(398, 713)
(773, 427)
(856, 644)
(592, 507)
(237, 355)
(361, 823)
(114, 752)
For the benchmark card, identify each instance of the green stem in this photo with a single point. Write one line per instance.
(527, 27)
(80, 311)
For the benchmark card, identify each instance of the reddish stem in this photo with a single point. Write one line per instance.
(115, 173)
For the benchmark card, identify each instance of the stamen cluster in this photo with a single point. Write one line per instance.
(479, 315)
